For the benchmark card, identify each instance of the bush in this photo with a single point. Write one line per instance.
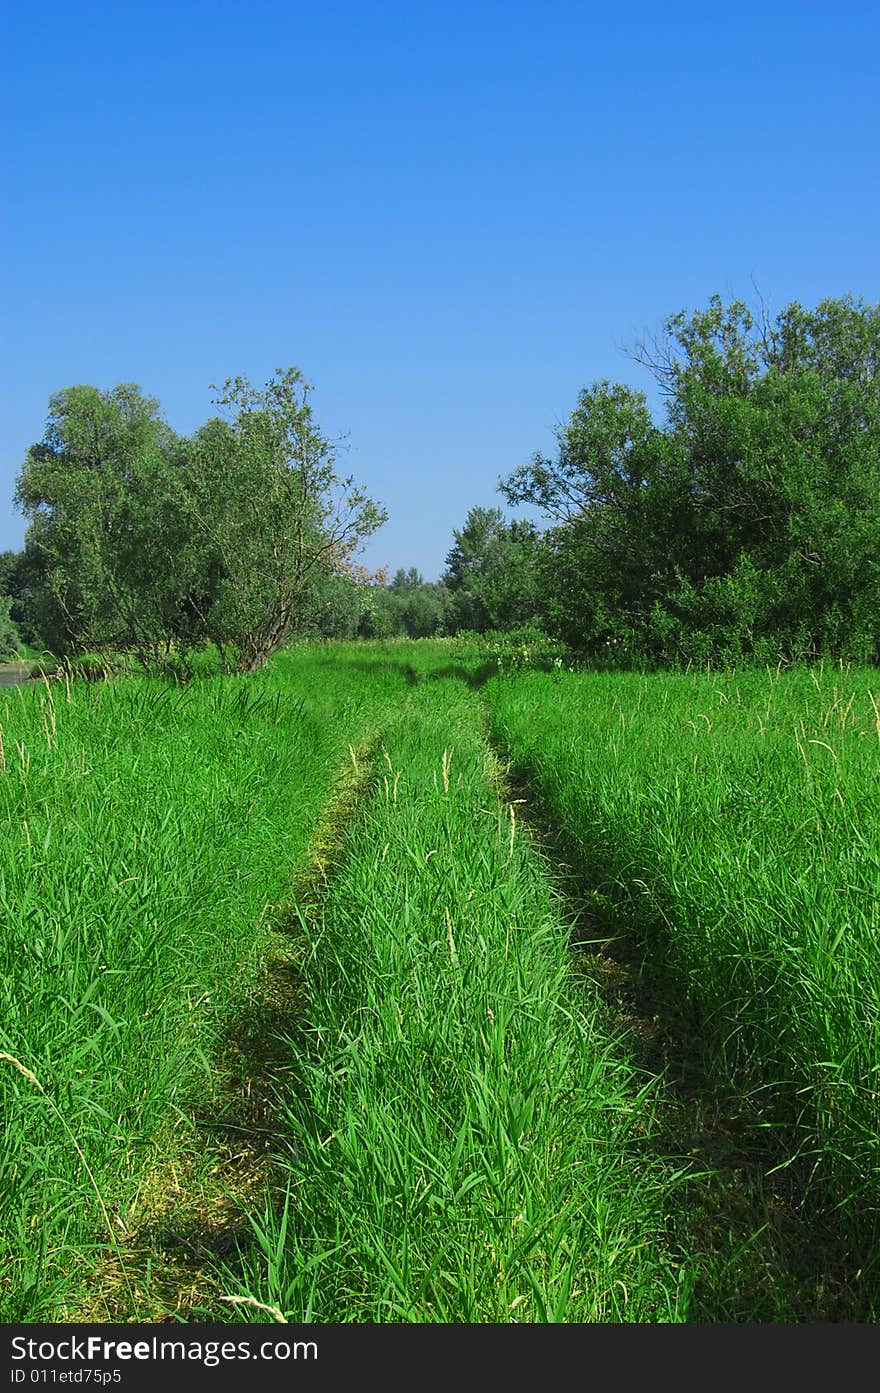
(10, 641)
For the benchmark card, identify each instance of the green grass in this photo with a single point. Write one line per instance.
(471, 1142)
(149, 834)
(731, 825)
(457, 1126)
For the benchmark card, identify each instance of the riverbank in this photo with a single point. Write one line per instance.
(12, 674)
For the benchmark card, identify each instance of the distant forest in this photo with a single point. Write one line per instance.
(743, 528)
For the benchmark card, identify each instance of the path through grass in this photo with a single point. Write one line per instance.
(149, 835)
(729, 825)
(263, 1038)
(469, 1142)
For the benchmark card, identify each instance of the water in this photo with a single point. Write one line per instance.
(12, 674)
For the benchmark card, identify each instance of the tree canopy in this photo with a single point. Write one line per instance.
(264, 495)
(113, 563)
(143, 540)
(491, 572)
(748, 524)
(740, 521)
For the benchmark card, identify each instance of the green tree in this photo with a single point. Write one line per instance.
(382, 614)
(409, 606)
(749, 523)
(605, 557)
(139, 540)
(110, 552)
(423, 611)
(404, 580)
(332, 607)
(10, 641)
(264, 495)
(16, 583)
(778, 425)
(600, 458)
(493, 572)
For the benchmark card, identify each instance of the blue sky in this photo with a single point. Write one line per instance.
(450, 216)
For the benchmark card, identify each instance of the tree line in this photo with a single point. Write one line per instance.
(743, 526)
(144, 541)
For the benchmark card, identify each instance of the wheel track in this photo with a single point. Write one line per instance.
(765, 1256)
(215, 1161)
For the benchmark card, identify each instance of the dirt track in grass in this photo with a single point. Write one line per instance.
(215, 1163)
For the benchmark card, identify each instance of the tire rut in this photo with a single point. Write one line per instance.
(215, 1162)
(754, 1249)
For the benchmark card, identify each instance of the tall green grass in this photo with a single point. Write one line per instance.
(148, 835)
(461, 1134)
(469, 1140)
(731, 823)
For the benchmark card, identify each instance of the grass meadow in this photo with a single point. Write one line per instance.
(470, 1141)
(148, 835)
(729, 827)
(312, 1003)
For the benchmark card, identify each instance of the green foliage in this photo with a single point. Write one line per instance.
(139, 540)
(332, 607)
(10, 640)
(112, 562)
(600, 463)
(405, 581)
(747, 527)
(730, 825)
(264, 494)
(423, 610)
(410, 607)
(492, 573)
(22, 579)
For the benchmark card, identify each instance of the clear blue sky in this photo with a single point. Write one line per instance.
(451, 216)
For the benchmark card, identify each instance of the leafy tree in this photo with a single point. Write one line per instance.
(408, 607)
(110, 552)
(492, 572)
(139, 540)
(600, 460)
(605, 557)
(779, 424)
(264, 495)
(8, 565)
(10, 642)
(16, 582)
(382, 615)
(749, 524)
(423, 611)
(332, 608)
(404, 580)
